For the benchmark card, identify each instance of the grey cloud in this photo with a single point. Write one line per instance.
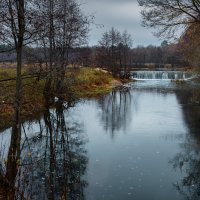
(121, 14)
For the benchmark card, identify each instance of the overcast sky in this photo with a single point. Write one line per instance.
(120, 14)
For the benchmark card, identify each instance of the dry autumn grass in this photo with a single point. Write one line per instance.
(84, 82)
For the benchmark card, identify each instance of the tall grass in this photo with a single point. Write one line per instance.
(84, 82)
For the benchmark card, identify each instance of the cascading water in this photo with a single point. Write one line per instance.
(165, 75)
(161, 75)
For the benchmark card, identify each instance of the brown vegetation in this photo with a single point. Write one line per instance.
(190, 44)
(84, 82)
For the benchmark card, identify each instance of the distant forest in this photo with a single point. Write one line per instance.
(163, 56)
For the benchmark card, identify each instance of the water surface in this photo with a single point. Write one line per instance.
(139, 142)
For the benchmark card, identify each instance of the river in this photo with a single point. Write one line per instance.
(141, 142)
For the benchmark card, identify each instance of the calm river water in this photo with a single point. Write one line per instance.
(141, 142)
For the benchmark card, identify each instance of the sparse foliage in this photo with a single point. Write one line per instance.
(114, 50)
(167, 16)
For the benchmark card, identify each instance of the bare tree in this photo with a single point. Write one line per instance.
(103, 54)
(72, 33)
(65, 28)
(13, 27)
(114, 47)
(16, 22)
(126, 44)
(169, 15)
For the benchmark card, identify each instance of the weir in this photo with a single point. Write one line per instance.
(161, 75)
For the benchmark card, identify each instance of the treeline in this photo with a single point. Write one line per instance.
(168, 55)
(170, 17)
(118, 58)
(126, 58)
(55, 32)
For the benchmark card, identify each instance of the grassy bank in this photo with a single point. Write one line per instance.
(84, 82)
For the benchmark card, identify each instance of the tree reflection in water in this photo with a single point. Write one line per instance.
(188, 160)
(116, 112)
(7, 179)
(48, 164)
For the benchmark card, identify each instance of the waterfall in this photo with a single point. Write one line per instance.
(161, 75)
(165, 75)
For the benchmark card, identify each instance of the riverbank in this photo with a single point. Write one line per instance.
(81, 82)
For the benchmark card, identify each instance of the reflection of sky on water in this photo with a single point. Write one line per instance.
(52, 158)
(140, 143)
(135, 164)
